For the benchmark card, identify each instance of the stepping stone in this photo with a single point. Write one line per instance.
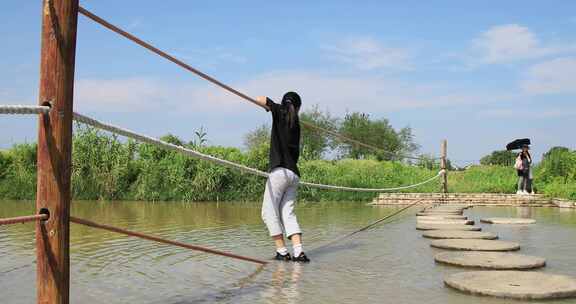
(453, 222)
(448, 208)
(444, 208)
(433, 212)
(523, 285)
(508, 220)
(441, 217)
(475, 245)
(458, 234)
(490, 260)
(447, 227)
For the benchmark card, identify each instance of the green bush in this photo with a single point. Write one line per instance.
(18, 177)
(106, 168)
(486, 179)
(557, 171)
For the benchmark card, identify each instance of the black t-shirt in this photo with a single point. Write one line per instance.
(284, 140)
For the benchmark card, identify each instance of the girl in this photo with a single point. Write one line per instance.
(282, 185)
(524, 160)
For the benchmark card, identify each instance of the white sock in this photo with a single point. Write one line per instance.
(297, 249)
(282, 251)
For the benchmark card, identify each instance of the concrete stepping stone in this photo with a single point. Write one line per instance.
(448, 208)
(508, 220)
(445, 209)
(447, 227)
(441, 217)
(453, 222)
(432, 212)
(475, 245)
(523, 285)
(490, 260)
(459, 234)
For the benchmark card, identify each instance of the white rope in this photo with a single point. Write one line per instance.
(23, 109)
(165, 145)
(20, 109)
(196, 154)
(331, 187)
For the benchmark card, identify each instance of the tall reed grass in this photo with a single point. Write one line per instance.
(106, 168)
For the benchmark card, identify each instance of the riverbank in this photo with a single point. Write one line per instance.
(105, 168)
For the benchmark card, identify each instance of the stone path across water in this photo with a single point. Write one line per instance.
(441, 217)
(447, 227)
(475, 249)
(458, 234)
(514, 284)
(433, 212)
(490, 260)
(445, 222)
(475, 245)
(506, 220)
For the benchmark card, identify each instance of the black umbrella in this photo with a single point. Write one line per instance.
(517, 144)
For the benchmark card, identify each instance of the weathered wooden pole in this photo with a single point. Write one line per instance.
(443, 162)
(58, 50)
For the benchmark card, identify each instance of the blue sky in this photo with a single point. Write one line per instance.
(478, 74)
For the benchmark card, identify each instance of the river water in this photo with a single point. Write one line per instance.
(390, 263)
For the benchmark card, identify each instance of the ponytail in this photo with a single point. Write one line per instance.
(292, 102)
(292, 115)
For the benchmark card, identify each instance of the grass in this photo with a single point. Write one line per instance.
(105, 168)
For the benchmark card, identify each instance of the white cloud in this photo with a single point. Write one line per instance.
(366, 93)
(337, 93)
(118, 95)
(509, 43)
(366, 53)
(526, 113)
(209, 57)
(555, 76)
(147, 94)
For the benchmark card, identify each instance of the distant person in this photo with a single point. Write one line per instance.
(523, 166)
(282, 184)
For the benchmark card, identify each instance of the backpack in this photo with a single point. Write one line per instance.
(518, 163)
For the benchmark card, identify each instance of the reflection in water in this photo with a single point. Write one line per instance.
(525, 212)
(390, 260)
(284, 284)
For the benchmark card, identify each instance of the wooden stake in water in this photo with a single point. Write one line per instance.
(443, 161)
(59, 23)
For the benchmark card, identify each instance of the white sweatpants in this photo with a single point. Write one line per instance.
(278, 203)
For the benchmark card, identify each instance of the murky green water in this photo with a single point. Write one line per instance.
(391, 263)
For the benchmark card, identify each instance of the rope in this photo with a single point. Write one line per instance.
(23, 109)
(189, 152)
(331, 187)
(165, 145)
(161, 240)
(366, 227)
(226, 163)
(215, 81)
(23, 219)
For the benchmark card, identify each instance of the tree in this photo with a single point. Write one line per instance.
(555, 151)
(257, 137)
(378, 133)
(499, 158)
(315, 143)
(558, 162)
(428, 162)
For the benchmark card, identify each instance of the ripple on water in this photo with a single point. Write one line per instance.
(390, 261)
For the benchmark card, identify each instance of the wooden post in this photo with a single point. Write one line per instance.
(443, 161)
(58, 50)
